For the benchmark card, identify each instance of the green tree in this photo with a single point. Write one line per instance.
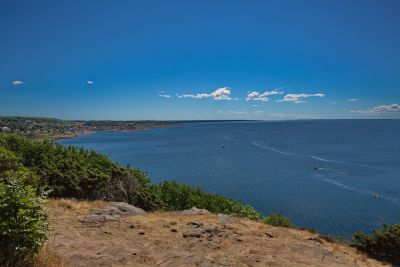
(382, 244)
(23, 227)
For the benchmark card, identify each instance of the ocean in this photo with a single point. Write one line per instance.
(334, 176)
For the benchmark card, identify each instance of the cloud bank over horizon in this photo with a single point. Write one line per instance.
(382, 109)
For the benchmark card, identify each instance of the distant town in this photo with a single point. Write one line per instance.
(52, 129)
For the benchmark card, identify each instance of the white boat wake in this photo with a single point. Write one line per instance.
(362, 191)
(274, 150)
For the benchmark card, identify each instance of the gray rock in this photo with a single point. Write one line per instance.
(197, 224)
(113, 212)
(195, 210)
(201, 231)
(223, 218)
(127, 209)
(315, 239)
(214, 230)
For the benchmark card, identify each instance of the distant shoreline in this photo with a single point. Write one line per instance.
(55, 129)
(75, 135)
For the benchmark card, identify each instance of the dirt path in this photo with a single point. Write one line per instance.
(176, 239)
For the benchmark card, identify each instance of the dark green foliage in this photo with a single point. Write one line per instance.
(179, 197)
(278, 220)
(75, 172)
(23, 227)
(383, 244)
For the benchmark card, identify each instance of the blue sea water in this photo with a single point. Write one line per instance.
(335, 176)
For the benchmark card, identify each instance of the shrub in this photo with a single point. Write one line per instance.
(383, 244)
(177, 196)
(8, 160)
(23, 226)
(73, 172)
(277, 220)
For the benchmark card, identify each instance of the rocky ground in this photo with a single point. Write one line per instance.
(115, 234)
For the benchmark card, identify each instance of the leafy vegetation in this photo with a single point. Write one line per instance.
(383, 244)
(77, 173)
(179, 197)
(278, 220)
(23, 227)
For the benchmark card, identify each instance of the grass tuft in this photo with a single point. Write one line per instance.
(48, 257)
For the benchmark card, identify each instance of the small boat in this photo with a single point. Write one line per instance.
(316, 168)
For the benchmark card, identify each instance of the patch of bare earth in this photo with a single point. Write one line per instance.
(176, 239)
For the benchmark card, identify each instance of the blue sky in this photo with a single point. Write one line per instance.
(214, 59)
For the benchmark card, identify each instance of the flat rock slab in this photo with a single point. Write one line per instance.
(115, 211)
(195, 211)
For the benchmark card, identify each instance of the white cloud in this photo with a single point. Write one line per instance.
(256, 96)
(219, 94)
(380, 109)
(17, 82)
(236, 112)
(193, 96)
(222, 94)
(353, 99)
(89, 82)
(164, 95)
(298, 98)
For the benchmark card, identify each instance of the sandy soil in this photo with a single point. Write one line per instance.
(176, 239)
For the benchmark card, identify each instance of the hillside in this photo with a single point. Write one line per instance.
(179, 239)
(52, 129)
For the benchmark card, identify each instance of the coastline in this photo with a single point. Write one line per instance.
(74, 135)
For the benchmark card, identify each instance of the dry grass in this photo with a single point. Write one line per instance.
(48, 257)
(75, 205)
(157, 239)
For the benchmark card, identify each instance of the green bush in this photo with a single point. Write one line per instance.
(383, 244)
(177, 196)
(277, 220)
(8, 160)
(23, 227)
(73, 172)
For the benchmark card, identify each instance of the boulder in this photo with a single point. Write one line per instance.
(195, 210)
(115, 211)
